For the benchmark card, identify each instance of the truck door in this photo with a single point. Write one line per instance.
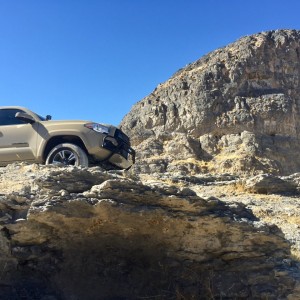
(17, 138)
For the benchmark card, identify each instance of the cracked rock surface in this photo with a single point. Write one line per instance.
(71, 233)
(234, 110)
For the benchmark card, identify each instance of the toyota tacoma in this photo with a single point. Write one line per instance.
(26, 136)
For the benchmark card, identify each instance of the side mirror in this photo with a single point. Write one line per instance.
(25, 117)
(48, 118)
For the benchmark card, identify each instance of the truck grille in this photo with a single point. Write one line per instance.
(122, 136)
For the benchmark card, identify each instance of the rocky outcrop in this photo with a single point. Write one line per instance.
(270, 184)
(234, 110)
(192, 229)
(70, 233)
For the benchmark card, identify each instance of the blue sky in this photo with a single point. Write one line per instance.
(93, 59)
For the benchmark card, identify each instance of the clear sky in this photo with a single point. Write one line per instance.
(93, 59)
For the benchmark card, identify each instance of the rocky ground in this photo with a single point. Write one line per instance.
(271, 202)
(72, 233)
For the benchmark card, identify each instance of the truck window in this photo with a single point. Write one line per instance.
(7, 117)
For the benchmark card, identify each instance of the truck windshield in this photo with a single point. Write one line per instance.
(42, 118)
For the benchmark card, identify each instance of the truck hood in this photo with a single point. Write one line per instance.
(75, 122)
(57, 122)
(72, 125)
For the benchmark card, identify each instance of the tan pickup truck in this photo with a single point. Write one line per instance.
(26, 136)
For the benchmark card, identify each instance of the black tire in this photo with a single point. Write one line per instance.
(68, 155)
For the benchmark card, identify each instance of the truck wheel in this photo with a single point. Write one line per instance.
(68, 155)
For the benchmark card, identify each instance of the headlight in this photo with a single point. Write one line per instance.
(97, 127)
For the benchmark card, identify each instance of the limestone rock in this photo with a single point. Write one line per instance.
(267, 184)
(112, 237)
(234, 110)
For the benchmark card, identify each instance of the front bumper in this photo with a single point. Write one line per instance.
(122, 155)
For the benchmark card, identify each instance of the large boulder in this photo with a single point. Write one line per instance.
(234, 110)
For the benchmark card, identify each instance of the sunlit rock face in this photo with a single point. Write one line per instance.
(69, 233)
(185, 222)
(234, 110)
